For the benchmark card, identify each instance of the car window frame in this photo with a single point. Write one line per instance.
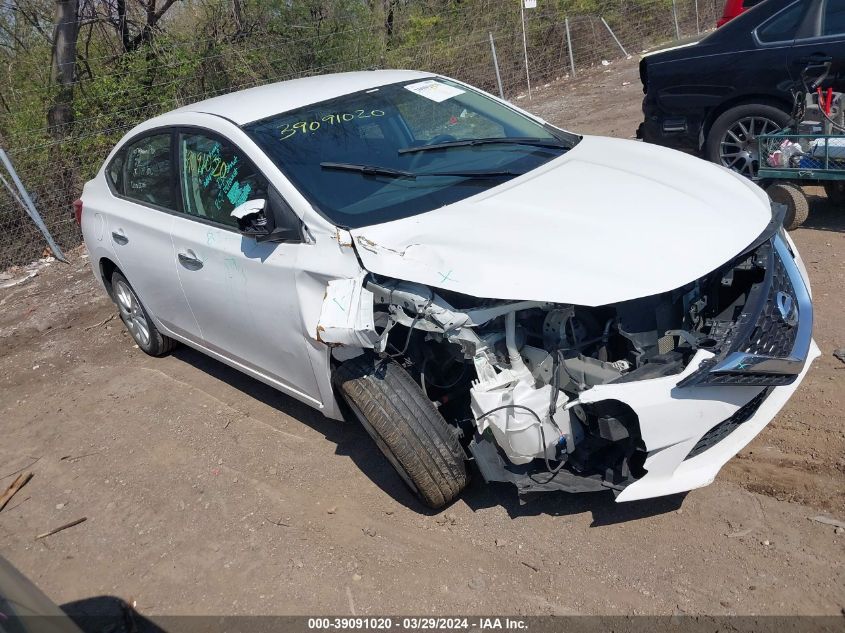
(173, 131)
(820, 10)
(214, 135)
(809, 32)
(158, 131)
(780, 43)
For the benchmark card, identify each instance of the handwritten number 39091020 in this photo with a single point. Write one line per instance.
(302, 127)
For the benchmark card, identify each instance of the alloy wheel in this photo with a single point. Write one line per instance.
(132, 314)
(738, 149)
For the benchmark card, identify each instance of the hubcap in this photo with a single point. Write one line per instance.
(132, 314)
(738, 149)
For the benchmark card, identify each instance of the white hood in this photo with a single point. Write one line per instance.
(610, 220)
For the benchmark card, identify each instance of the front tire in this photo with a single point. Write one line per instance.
(732, 139)
(136, 319)
(410, 432)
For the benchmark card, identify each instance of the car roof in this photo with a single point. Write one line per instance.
(254, 104)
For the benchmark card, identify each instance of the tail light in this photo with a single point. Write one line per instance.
(77, 211)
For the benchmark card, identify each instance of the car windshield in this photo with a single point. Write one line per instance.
(403, 149)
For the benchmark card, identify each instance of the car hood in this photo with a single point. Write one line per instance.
(608, 221)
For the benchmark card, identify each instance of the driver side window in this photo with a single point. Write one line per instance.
(216, 177)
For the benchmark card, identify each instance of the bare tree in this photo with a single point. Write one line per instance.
(122, 24)
(66, 29)
(153, 15)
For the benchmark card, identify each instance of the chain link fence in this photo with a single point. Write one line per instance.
(54, 171)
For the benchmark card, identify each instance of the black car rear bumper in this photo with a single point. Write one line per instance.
(669, 130)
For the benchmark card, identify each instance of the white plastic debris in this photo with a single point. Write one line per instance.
(346, 317)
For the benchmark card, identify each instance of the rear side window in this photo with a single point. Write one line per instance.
(834, 18)
(216, 177)
(783, 26)
(114, 173)
(147, 172)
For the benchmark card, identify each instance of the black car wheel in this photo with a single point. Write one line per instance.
(732, 139)
(407, 428)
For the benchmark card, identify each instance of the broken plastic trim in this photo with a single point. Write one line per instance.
(734, 365)
(744, 363)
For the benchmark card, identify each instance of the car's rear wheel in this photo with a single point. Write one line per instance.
(732, 139)
(136, 319)
(791, 195)
(835, 191)
(407, 428)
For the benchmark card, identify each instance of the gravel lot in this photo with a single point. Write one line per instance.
(207, 492)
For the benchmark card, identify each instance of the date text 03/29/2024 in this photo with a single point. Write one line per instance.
(411, 623)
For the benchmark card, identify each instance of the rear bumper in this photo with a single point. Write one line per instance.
(675, 131)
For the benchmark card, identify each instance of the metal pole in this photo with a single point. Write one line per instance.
(30, 208)
(675, 16)
(616, 39)
(525, 46)
(697, 22)
(569, 47)
(496, 65)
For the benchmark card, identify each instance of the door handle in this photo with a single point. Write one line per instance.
(190, 260)
(119, 236)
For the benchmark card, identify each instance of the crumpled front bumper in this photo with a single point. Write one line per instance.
(691, 428)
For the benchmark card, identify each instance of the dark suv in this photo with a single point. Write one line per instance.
(715, 97)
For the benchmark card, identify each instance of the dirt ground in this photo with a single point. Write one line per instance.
(207, 492)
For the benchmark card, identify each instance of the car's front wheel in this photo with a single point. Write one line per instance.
(733, 138)
(136, 319)
(410, 432)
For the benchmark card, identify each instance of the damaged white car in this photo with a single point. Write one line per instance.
(473, 284)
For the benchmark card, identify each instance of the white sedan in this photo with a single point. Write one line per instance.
(569, 312)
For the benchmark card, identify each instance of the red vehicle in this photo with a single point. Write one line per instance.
(734, 8)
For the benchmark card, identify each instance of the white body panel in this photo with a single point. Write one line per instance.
(563, 232)
(244, 300)
(140, 239)
(254, 301)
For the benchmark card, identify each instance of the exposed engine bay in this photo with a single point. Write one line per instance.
(508, 375)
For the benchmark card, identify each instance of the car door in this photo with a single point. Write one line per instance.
(821, 41)
(242, 292)
(142, 178)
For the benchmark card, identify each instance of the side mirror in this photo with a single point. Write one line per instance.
(268, 220)
(251, 218)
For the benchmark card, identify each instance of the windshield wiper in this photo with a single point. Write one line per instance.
(375, 170)
(470, 142)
